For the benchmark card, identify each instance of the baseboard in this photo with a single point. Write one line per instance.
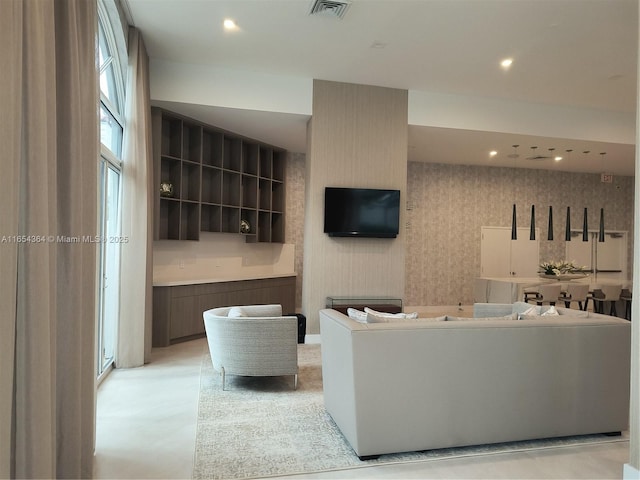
(630, 473)
(313, 338)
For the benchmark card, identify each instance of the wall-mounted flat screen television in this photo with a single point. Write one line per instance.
(361, 212)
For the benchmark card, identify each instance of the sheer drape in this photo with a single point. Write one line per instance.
(134, 332)
(49, 188)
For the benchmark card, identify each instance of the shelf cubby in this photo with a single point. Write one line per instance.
(211, 190)
(277, 228)
(171, 137)
(266, 154)
(212, 144)
(191, 142)
(210, 218)
(190, 186)
(250, 154)
(230, 189)
(249, 191)
(251, 217)
(230, 220)
(171, 172)
(189, 221)
(169, 219)
(264, 226)
(264, 192)
(277, 165)
(232, 150)
(277, 196)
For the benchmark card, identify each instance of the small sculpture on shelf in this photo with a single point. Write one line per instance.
(245, 226)
(166, 189)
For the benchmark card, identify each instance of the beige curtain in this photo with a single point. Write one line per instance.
(134, 332)
(49, 189)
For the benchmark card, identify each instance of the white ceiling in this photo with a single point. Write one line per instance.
(573, 53)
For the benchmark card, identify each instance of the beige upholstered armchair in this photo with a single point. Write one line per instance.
(252, 340)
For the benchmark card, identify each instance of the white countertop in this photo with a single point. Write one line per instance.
(173, 282)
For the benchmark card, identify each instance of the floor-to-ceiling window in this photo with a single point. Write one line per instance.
(110, 171)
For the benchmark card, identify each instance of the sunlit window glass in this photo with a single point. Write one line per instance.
(110, 132)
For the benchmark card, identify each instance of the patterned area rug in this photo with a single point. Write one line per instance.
(261, 427)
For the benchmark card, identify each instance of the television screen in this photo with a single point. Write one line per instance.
(361, 212)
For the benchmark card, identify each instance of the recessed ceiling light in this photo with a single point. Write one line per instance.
(229, 24)
(506, 63)
(558, 158)
(493, 153)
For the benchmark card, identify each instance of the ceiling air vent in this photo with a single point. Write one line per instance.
(329, 8)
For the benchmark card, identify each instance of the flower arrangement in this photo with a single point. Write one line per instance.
(561, 268)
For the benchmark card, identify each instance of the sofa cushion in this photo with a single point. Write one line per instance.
(357, 315)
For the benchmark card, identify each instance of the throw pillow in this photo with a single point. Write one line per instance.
(373, 318)
(357, 315)
(551, 312)
(236, 312)
(272, 310)
(529, 313)
(522, 316)
(391, 315)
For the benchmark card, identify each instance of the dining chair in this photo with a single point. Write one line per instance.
(546, 293)
(576, 292)
(626, 296)
(606, 293)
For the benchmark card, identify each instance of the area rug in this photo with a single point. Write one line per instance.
(260, 427)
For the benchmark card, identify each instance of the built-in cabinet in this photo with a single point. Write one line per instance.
(210, 180)
(607, 260)
(177, 308)
(500, 256)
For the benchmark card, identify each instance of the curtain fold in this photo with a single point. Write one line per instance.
(10, 139)
(136, 284)
(54, 165)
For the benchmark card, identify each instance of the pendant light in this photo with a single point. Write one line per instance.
(585, 227)
(567, 231)
(601, 230)
(532, 230)
(550, 227)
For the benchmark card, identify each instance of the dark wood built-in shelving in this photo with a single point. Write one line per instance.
(219, 179)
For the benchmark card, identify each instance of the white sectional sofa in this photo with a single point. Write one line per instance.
(417, 384)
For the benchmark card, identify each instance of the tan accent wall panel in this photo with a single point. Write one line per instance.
(357, 138)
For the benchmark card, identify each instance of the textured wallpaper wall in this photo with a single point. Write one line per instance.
(448, 204)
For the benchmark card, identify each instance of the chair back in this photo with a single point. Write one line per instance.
(578, 291)
(550, 292)
(611, 292)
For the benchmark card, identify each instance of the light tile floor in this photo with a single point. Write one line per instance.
(146, 424)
